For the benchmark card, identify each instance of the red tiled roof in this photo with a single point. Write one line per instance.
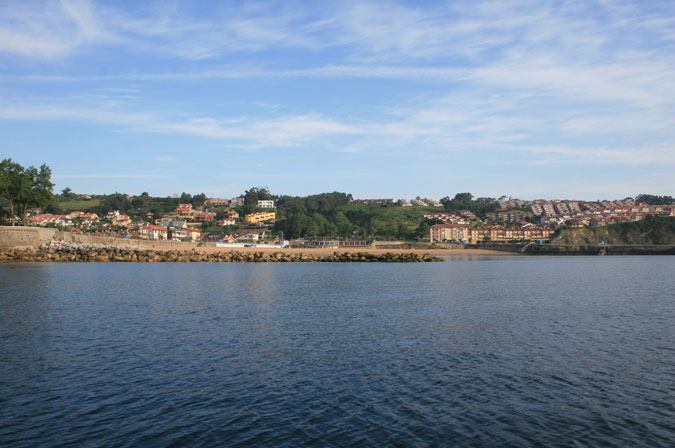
(155, 227)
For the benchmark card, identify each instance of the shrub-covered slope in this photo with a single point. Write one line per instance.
(650, 231)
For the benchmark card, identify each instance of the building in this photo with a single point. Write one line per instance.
(83, 216)
(259, 217)
(509, 216)
(250, 234)
(237, 202)
(183, 209)
(373, 201)
(176, 224)
(152, 232)
(266, 204)
(44, 219)
(186, 233)
(445, 217)
(218, 202)
(203, 216)
(449, 232)
(492, 233)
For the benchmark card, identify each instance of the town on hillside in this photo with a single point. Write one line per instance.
(334, 219)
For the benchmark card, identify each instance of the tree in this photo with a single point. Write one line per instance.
(199, 199)
(24, 189)
(651, 199)
(185, 198)
(116, 201)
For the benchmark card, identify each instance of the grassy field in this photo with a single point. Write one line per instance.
(392, 211)
(388, 219)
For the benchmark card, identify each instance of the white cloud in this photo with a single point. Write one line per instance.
(50, 29)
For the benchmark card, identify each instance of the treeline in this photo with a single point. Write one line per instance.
(651, 199)
(465, 201)
(315, 215)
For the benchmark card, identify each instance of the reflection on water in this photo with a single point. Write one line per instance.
(488, 350)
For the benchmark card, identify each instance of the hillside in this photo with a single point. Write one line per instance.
(650, 231)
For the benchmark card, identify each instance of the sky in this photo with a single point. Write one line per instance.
(528, 99)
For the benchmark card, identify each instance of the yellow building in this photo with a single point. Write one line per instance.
(260, 217)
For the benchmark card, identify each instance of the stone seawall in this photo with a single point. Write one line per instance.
(27, 237)
(23, 237)
(61, 251)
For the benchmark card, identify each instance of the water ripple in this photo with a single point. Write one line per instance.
(479, 352)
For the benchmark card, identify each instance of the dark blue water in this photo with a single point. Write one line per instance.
(512, 351)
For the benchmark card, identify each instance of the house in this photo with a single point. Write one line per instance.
(250, 234)
(232, 214)
(445, 217)
(237, 202)
(467, 214)
(265, 204)
(44, 219)
(122, 220)
(215, 236)
(176, 224)
(83, 215)
(183, 209)
(217, 202)
(187, 233)
(226, 222)
(220, 237)
(259, 217)
(373, 201)
(152, 232)
(203, 216)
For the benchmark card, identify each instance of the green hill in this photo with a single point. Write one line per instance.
(652, 230)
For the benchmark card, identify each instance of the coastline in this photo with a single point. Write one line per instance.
(350, 250)
(59, 251)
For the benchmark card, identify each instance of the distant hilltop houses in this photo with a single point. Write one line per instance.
(403, 202)
(186, 222)
(336, 219)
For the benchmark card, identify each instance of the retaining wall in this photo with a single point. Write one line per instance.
(23, 237)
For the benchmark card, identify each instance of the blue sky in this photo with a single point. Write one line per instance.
(530, 99)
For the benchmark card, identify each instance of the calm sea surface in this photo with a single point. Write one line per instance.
(507, 351)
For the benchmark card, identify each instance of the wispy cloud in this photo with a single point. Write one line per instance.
(518, 82)
(255, 133)
(49, 29)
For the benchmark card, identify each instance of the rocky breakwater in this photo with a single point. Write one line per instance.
(60, 251)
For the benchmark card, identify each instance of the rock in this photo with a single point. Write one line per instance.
(63, 251)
